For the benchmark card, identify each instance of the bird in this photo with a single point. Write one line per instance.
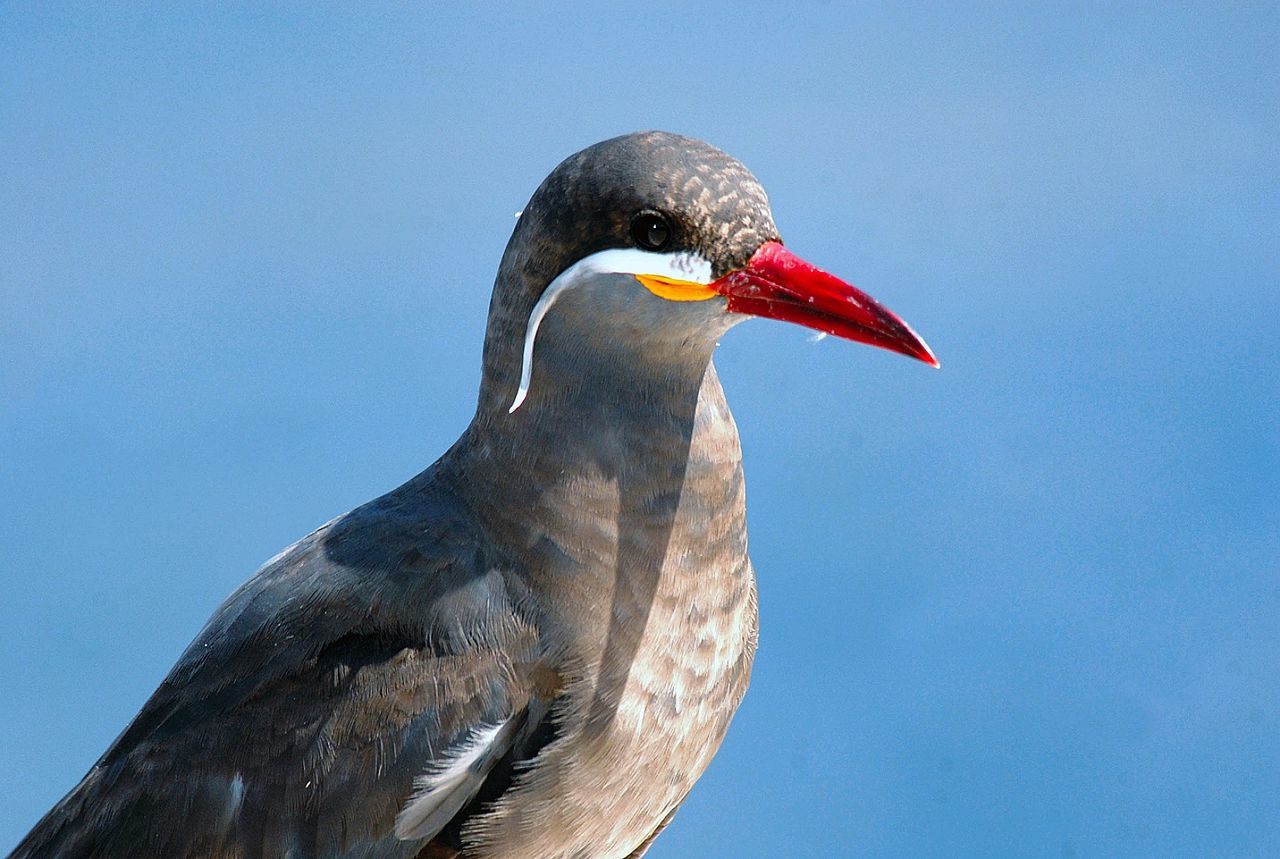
(533, 648)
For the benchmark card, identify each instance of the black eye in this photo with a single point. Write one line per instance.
(650, 230)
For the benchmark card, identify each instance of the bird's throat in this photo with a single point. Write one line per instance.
(602, 444)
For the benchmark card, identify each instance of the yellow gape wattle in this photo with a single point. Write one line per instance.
(675, 290)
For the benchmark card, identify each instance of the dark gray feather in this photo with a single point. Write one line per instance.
(300, 716)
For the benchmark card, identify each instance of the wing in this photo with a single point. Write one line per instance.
(349, 699)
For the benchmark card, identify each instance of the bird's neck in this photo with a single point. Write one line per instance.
(581, 469)
(607, 422)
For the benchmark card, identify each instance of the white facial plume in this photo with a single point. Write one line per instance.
(684, 267)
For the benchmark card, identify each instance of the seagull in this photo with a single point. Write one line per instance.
(532, 649)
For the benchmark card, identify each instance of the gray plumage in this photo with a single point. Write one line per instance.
(540, 640)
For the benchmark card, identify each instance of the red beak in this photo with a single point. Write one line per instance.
(777, 284)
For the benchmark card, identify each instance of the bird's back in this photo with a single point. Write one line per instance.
(298, 720)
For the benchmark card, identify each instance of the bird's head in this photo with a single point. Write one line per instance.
(644, 249)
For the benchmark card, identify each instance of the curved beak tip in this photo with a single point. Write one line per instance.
(926, 354)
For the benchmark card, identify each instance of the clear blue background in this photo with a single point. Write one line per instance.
(1025, 606)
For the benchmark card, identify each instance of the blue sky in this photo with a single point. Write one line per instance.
(1025, 606)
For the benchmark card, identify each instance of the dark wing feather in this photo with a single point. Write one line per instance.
(296, 722)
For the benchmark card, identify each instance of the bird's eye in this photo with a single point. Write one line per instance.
(650, 230)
